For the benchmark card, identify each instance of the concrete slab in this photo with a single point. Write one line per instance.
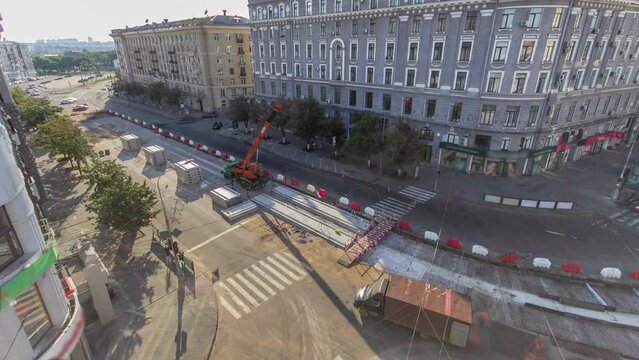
(335, 214)
(305, 220)
(239, 211)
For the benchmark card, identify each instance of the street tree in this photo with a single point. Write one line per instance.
(404, 146)
(308, 119)
(62, 136)
(33, 110)
(156, 91)
(366, 135)
(334, 132)
(240, 111)
(283, 118)
(117, 201)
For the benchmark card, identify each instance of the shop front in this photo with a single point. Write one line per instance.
(505, 163)
(596, 143)
(462, 158)
(539, 159)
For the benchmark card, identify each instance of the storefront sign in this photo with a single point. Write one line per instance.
(463, 149)
(611, 135)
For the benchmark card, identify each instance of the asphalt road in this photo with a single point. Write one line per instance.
(575, 236)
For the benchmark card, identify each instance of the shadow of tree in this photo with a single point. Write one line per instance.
(63, 185)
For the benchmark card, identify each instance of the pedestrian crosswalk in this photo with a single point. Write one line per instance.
(396, 208)
(392, 207)
(627, 217)
(417, 194)
(244, 291)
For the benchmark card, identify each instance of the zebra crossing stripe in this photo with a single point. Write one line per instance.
(387, 211)
(299, 262)
(259, 282)
(230, 308)
(290, 264)
(391, 208)
(396, 204)
(420, 194)
(616, 215)
(278, 275)
(633, 222)
(266, 276)
(235, 299)
(284, 269)
(251, 287)
(243, 292)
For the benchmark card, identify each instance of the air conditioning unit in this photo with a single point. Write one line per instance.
(594, 31)
(618, 32)
(365, 31)
(582, 107)
(523, 23)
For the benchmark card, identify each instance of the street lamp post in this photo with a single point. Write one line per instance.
(617, 189)
(167, 223)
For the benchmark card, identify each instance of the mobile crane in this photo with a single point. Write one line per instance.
(250, 173)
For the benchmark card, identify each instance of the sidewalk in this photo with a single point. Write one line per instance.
(587, 182)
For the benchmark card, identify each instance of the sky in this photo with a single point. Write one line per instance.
(29, 20)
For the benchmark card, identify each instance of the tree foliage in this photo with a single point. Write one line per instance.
(307, 120)
(404, 145)
(333, 127)
(73, 63)
(245, 110)
(117, 201)
(62, 136)
(283, 118)
(366, 136)
(33, 110)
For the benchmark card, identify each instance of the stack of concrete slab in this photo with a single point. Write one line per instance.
(188, 172)
(239, 211)
(303, 219)
(154, 155)
(318, 207)
(225, 197)
(130, 142)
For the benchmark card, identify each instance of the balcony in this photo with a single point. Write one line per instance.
(242, 74)
(240, 52)
(137, 59)
(136, 51)
(173, 62)
(153, 52)
(239, 39)
(171, 52)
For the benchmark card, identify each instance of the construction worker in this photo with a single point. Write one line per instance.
(180, 257)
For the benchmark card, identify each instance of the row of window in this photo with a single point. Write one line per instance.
(506, 19)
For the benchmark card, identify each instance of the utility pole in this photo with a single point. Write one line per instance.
(167, 223)
(617, 189)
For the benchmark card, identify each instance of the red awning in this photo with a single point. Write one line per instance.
(562, 147)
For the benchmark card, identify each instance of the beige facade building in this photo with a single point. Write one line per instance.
(208, 59)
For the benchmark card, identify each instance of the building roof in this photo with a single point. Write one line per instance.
(216, 20)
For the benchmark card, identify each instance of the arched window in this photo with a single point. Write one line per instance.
(296, 9)
(281, 11)
(259, 13)
(309, 8)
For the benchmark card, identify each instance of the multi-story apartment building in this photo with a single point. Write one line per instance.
(208, 59)
(500, 88)
(40, 315)
(15, 61)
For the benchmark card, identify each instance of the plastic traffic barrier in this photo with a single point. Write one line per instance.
(356, 206)
(322, 193)
(404, 226)
(611, 273)
(280, 177)
(634, 274)
(431, 236)
(571, 267)
(479, 250)
(543, 263)
(454, 243)
(344, 201)
(369, 211)
(509, 258)
(295, 182)
(310, 188)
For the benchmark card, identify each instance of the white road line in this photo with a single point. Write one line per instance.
(625, 218)
(400, 205)
(299, 262)
(280, 276)
(284, 269)
(243, 292)
(616, 215)
(221, 234)
(251, 287)
(266, 276)
(387, 212)
(260, 282)
(388, 209)
(290, 264)
(230, 308)
(420, 190)
(633, 222)
(420, 194)
(235, 299)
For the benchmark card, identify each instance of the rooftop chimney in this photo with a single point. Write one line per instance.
(224, 12)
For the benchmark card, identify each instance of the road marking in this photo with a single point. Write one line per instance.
(625, 218)
(251, 287)
(302, 263)
(230, 308)
(266, 276)
(616, 215)
(284, 269)
(290, 264)
(421, 195)
(633, 222)
(259, 282)
(235, 299)
(243, 292)
(280, 276)
(555, 233)
(221, 234)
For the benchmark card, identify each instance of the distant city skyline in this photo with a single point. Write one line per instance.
(67, 19)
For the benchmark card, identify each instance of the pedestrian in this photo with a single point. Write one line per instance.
(167, 252)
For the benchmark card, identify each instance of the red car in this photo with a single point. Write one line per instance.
(81, 107)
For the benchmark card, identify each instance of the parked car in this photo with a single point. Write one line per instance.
(217, 125)
(81, 107)
(69, 100)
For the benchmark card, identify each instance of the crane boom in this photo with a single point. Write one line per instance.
(256, 143)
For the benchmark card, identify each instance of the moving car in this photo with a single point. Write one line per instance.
(69, 100)
(431, 310)
(80, 107)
